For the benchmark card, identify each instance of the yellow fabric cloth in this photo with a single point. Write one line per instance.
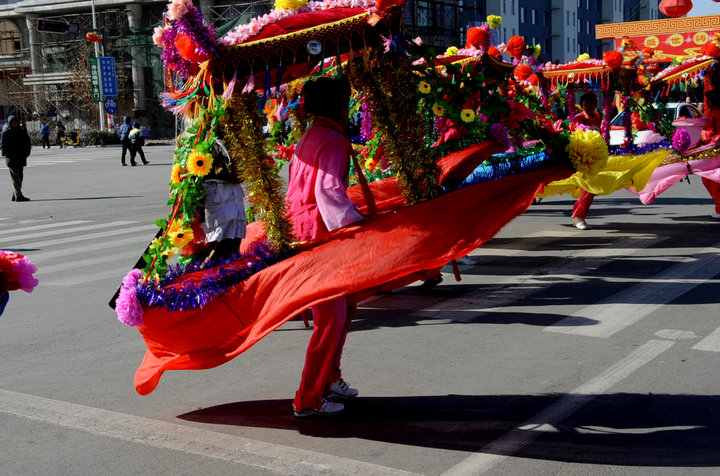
(622, 171)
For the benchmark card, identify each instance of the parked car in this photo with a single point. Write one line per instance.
(684, 116)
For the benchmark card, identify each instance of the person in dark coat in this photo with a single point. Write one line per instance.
(124, 132)
(15, 147)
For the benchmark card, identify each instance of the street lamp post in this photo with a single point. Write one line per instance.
(101, 108)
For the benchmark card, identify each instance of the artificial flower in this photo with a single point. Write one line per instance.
(478, 37)
(467, 115)
(127, 305)
(438, 110)
(16, 272)
(516, 46)
(613, 59)
(178, 8)
(711, 48)
(175, 176)
(157, 37)
(583, 57)
(494, 21)
(494, 52)
(181, 237)
(588, 151)
(681, 140)
(522, 72)
(199, 163)
(424, 87)
(451, 51)
(499, 133)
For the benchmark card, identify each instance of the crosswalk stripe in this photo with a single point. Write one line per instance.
(116, 273)
(625, 308)
(711, 343)
(44, 227)
(75, 264)
(39, 258)
(66, 231)
(85, 237)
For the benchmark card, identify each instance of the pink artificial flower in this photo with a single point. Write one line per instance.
(158, 35)
(127, 306)
(25, 269)
(518, 112)
(178, 8)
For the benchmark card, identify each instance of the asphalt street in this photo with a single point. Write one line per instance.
(561, 352)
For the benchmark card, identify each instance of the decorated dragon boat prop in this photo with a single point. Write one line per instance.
(444, 164)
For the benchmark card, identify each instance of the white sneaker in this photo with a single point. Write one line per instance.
(467, 260)
(327, 408)
(715, 215)
(340, 389)
(580, 224)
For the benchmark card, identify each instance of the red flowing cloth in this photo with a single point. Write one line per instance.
(386, 250)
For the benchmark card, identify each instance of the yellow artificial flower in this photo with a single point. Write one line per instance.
(583, 57)
(175, 175)
(438, 110)
(451, 51)
(588, 151)
(173, 226)
(494, 21)
(424, 87)
(199, 164)
(180, 238)
(467, 115)
(290, 4)
(155, 244)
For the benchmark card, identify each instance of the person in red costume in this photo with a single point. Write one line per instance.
(317, 203)
(589, 118)
(711, 134)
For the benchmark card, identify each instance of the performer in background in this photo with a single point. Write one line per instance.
(317, 203)
(711, 134)
(589, 118)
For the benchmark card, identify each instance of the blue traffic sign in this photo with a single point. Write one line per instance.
(108, 77)
(111, 105)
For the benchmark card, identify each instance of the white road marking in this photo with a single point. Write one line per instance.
(674, 334)
(43, 227)
(629, 306)
(514, 440)
(75, 264)
(172, 436)
(85, 237)
(82, 278)
(42, 256)
(604, 430)
(711, 343)
(66, 231)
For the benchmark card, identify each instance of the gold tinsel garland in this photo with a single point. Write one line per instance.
(392, 92)
(246, 144)
(705, 154)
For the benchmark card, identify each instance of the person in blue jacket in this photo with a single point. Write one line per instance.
(124, 132)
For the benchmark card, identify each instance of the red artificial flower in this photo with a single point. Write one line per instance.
(477, 37)
(711, 49)
(533, 79)
(523, 72)
(494, 52)
(516, 46)
(187, 48)
(613, 59)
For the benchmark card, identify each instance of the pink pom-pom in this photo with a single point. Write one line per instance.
(681, 140)
(25, 269)
(127, 306)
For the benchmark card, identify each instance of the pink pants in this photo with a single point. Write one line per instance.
(714, 189)
(582, 205)
(331, 322)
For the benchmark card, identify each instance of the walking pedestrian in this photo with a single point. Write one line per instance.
(124, 132)
(59, 133)
(589, 118)
(318, 202)
(15, 146)
(45, 134)
(137, 141)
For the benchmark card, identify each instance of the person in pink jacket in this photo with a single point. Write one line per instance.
(318, 203)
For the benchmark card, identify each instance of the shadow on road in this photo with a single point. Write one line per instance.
(84, 198)
(617, 429)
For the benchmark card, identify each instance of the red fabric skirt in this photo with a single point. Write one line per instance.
(387, 250)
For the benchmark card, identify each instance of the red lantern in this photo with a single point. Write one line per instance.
(613, 59)
(477, 37)
(516, 46)
(187, 48)
(675, 8)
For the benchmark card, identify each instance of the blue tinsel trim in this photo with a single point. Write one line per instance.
(639, 150)
(217, 280)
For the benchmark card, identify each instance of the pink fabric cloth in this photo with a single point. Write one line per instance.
(317, 186)
(666, 175)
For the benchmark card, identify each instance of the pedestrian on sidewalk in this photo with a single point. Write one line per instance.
(15, 146)
(59, 133)
(45, 134)
(124, 132)
(137, 141)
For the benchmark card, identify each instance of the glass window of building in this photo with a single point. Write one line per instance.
(533, 14)
(522, 14)
(9, 37)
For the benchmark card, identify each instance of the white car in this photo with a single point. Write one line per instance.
(684, 116)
